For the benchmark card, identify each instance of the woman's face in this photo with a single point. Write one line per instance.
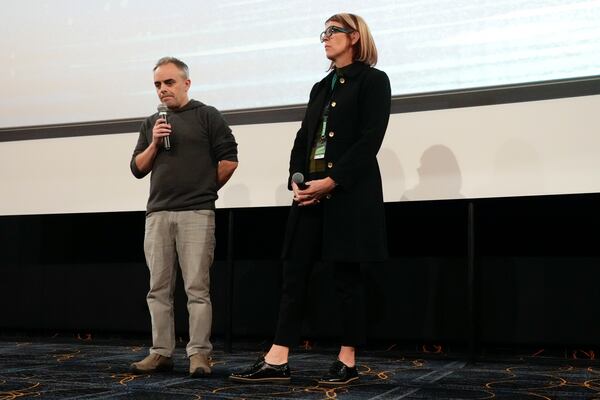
(338, 45)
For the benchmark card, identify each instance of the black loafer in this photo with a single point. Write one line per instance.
(339, 374)
(262, 371)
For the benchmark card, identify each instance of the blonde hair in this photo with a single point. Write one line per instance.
(364, 50)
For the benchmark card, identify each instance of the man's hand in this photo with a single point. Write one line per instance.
(159, 131)
(145, 159)
(314, 192)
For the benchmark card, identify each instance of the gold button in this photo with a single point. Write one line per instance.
(330, 165)
(328, 196)
(333, 103)
(342, 80)
(331, 134)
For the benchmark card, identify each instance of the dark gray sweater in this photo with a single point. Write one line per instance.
(185, 177)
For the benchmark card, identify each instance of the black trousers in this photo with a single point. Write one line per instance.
(304, 252)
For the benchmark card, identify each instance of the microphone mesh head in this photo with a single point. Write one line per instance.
(162, 108)
(298, 178)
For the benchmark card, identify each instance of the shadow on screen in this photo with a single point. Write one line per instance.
(439, 176)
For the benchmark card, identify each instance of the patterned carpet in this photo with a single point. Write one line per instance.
(86, 369)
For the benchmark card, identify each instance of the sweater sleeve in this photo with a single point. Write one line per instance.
(224, 146)
(375, 103)
(141, 145)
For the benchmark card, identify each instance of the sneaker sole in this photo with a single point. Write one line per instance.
(338, 383)
(260, 380)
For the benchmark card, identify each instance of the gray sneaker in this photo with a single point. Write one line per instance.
(151, 364)
(199, 365)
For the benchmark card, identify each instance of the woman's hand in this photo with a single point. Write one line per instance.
(314, 191)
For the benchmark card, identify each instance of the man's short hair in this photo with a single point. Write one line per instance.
(175, 61)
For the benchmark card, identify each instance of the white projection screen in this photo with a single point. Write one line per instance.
(70, 61)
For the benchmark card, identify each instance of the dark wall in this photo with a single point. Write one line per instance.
(537, 264)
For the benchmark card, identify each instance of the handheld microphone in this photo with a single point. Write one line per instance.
(298, 178)
(162, 113)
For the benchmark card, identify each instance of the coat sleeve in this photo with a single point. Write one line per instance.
(300, 150)
(374, 106)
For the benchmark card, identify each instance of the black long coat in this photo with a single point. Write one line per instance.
(353, 214)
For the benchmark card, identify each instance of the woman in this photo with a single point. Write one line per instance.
(338, 215)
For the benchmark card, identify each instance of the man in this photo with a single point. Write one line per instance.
(180, 217)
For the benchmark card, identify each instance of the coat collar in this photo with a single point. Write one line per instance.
(352, 70)
(349, 71)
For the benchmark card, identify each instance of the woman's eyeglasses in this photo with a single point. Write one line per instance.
(326, 34)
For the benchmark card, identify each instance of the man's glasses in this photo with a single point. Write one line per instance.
(326, 34)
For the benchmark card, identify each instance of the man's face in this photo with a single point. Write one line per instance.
(171, 86)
